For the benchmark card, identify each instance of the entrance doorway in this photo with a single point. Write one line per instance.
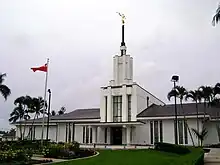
(116, 135)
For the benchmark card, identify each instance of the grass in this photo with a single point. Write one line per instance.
(126, 157)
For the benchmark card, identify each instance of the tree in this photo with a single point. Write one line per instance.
(17, 115)
(216, 17)
(4, 90)
(207, 96)
(62, 110)
(200, 135)
(53, 113)
(21, 111)
(36, 107)
(196, 96)
(180, 92)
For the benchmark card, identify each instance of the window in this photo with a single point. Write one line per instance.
(151, 132)
(84, 130)
(106, 131)
(69, 134)
(66, 132)
(156, 134)
(147, 101)
(156, 131)
(129, 107)
(185, 133)
(90, 135)
(180, 128)
(106, 106)
(73, 134)
(87, 134)
(131, 135)
(161, 131)
(117, 108)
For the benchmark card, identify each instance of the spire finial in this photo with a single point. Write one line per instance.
(123, 47)
(122, 18)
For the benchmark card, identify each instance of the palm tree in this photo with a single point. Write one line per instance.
(207, 95)
(216, 17)
(180, 92)
(36, 107)
(196, 97)
(25, 103)
(53, 113)
(4, 90)
(62, 110)
(200, 135)
(17, 115)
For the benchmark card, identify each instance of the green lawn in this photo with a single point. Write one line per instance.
(126, 157)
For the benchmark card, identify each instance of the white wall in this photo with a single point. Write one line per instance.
(212, 136)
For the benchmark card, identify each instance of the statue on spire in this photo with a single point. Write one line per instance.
(122, 17)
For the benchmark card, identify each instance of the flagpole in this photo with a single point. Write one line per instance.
(44, 106)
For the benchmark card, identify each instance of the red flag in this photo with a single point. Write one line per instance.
(41, 68)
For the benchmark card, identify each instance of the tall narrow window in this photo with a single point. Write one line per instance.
(147, 101)
(129, 107)
(161, 131)
(69, 137)
(117, 108)
(180, 128)
(131, 134)
(151, 133)
(87, 134)
(106, 132)
(73, 134)
(156, 133)
(185, 133)
(106, 106)
(84, 130)
(66, 132)
(90, 135)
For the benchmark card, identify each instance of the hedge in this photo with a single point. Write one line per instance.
(187, 155)
(177, 149)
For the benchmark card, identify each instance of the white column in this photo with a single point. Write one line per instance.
(89, 133)
(102, 105)
(134, 103)
(109, 105)
(124, 104)
(128, 66)
(128, 131)
(124, 69)
(115, 70)
(131, 68)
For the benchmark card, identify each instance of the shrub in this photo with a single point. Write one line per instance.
(61, 150)
(166, 147)
(16, 155)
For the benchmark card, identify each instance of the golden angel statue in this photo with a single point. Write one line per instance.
(122, 17)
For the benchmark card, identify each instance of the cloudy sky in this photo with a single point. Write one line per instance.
(81, 37)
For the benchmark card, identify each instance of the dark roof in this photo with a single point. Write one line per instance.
(169, 110)
(92, 113)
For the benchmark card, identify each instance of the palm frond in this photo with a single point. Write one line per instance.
(172, 93)
(2, 77)
(216, 17)
(5, 91)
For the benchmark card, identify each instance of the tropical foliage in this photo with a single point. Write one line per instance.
(24, 106)
(207, 95)
(4, 90)
(201, 135)
(216, 17)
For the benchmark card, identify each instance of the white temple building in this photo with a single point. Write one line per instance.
(128, 114)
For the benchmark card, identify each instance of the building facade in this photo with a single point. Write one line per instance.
(128, 114)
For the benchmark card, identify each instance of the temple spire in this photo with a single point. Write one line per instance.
(123, 46)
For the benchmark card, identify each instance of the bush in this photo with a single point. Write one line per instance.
(16, 155)
(61, 150)
(166, 147)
